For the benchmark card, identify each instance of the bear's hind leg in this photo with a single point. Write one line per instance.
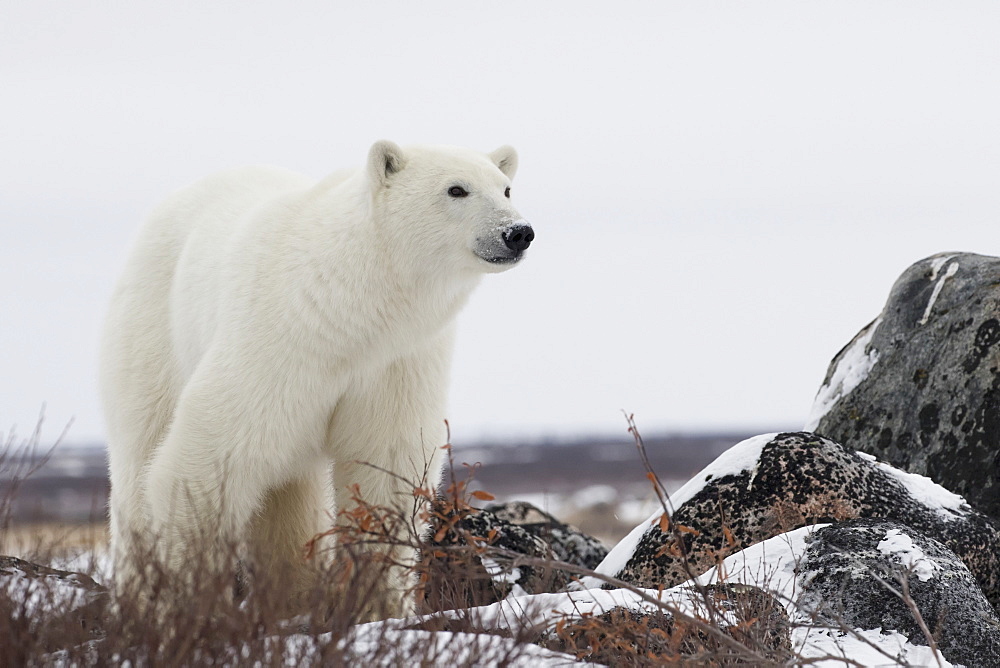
(134, 431)
(281, 553)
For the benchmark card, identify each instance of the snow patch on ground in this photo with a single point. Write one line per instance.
(861, 647)
(854, 366)
(545, 610)
(897, 544)
(380, 645)
(385, 647)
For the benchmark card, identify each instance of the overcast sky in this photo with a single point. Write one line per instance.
(722, 193)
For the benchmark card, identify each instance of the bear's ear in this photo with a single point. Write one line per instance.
(384, 159)
(505, 158)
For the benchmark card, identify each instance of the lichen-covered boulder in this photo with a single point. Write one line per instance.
(770, 484)
(476, 557)
(850, 571)
(567, 544)
(850, 590)
(920, 386)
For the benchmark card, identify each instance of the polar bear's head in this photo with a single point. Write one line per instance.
(448, 206)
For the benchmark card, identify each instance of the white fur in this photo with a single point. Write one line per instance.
(268, 332)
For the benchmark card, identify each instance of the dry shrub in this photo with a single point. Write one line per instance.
(732, 625)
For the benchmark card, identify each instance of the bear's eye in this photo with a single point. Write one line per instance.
(457, 191)
(506, 193)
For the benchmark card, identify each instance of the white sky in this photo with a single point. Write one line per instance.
(723, 193)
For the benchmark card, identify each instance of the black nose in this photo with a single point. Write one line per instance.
(518, 237)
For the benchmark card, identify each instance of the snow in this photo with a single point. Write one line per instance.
(854, 366)
(770, 565)
(898, 544)
(936, 265)
(387, 647)
(383, 644)
(947, 504)
(861, 647)
(42, 595)
(741, 457)
(499, 573)
(545, 610)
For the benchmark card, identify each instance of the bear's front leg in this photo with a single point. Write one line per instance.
(385, 438)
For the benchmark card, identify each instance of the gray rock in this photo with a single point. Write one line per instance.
(846, 574)
(920, 386)
(771, 484)
(476, 566)
(567, 544)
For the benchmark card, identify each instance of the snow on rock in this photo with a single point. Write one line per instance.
(900, 546)
(732, 610)
(851, 366)
(543, 611)
(773, 565)
(509, 575)
(936, 265)
(499, 531)
(948, 504)
(566, 543)
(741, 457)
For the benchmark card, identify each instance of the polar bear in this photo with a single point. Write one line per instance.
(270, 332)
